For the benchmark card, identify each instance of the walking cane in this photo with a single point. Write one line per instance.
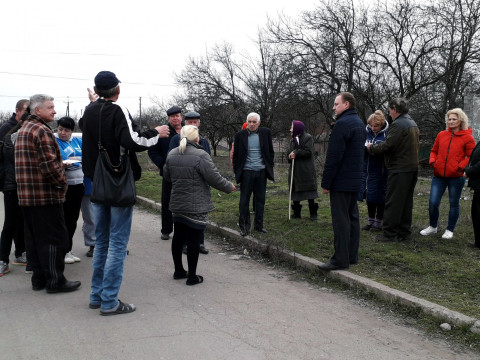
(291, 185)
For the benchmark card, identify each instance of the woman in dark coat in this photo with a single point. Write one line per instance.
(374, 180)
(472, 172)
(304, 185)
(191, 171)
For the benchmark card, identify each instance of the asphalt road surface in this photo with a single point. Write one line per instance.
(244, 310)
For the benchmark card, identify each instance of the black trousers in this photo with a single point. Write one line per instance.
(71, 210)
(376, 210)
(191, 236)
(46, 240)
(476, 216)
(252, 182)
(167, 220)
(12, 227)
(397, 219)
(346, 228)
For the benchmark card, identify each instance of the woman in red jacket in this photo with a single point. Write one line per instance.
(449, 157)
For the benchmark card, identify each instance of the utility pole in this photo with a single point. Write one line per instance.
(140, 117)
(68, 106)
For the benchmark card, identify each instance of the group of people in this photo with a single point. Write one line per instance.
(47, 179)
(379, 163)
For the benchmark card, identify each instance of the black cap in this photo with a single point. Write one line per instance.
(106, 80)
(192, 115)
(174, 110)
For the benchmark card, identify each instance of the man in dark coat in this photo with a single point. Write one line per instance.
(20, 109)
(400, 149)
(253, 160)
(342, 178)
(158, 154)
(192, 118)
(13, 224)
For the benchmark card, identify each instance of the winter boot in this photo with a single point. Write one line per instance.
(313, 211)
(297, 211)
(377, 224)
(371, 222)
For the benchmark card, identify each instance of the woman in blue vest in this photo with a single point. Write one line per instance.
(71, 150)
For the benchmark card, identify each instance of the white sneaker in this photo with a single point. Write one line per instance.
(69, 259)
(428, 231)
(447, 234)
(76, 258)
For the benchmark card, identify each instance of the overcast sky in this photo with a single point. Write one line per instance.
(57, 47)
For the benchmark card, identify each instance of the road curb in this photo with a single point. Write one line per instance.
(382, 291)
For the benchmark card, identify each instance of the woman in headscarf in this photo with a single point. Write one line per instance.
(302, 159)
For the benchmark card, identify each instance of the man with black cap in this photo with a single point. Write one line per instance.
(112, 224)
(192, 118)
(158, 154)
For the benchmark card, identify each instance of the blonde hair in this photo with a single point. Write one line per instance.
(461, 116)
(188, 132)
(376, 118)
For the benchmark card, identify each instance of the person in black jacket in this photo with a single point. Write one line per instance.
(112, 223)
(13, 223)
(192, 118)
(158, 154)
(342, 179)
(472, 172)
(253, 160)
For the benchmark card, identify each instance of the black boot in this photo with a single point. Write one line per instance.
(297, 211)
(313, 211)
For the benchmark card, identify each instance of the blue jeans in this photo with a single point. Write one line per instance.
(252, 182)
(455, 186)
(112, 231)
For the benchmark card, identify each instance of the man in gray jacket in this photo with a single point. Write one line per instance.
(401, 159)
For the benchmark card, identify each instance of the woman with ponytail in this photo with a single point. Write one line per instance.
(191, 171)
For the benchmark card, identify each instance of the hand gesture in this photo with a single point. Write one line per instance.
(163, 130)
(91, 95)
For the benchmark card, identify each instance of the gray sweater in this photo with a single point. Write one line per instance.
(191, 175)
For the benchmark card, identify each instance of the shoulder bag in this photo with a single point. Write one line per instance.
(112, 185)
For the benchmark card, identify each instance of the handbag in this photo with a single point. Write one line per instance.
(112, 185)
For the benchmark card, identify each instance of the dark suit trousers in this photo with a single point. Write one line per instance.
(46, 240)
(12, 227)
(346, 227)
(397, 219)
(252, 182)
(167, 219)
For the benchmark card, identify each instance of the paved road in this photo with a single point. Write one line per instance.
(244, 310)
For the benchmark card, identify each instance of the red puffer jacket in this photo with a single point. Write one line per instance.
(451, 152)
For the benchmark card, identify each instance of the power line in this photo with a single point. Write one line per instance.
(64, 97)
(58, 53)
(80, 79)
